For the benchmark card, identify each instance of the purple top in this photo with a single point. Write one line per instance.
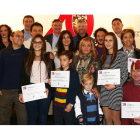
(99, 50)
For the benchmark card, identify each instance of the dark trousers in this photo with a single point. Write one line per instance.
(38, 109)
(7, 99)
(60, 114)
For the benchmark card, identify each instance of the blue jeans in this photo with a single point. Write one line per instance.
(38, 109)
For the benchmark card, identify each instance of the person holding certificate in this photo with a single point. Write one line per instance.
(36, 69)
(111, 95)
(129, 46)
(131, 92)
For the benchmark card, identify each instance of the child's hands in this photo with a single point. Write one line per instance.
(68, 108)
(46, 91)
(80, 120)
(96, 92)
(137, 120)
(109, 87)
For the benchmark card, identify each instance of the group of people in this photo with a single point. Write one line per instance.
(26, 57)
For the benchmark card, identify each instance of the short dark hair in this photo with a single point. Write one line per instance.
(99, 29)
(116, 19)
(67, 53)
(36, 24)
(28, 16)
(56, 20)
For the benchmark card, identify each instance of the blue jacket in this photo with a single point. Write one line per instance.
(11, 66)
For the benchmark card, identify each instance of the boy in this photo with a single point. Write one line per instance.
(64, 98)
(86, 106)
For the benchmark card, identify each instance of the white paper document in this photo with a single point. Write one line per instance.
(109, 76)
(60, 79)
(130, 61)
(34, 92)
(130, 109)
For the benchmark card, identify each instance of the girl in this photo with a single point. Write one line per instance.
(65, 42)
(37, 67)
(111, 95)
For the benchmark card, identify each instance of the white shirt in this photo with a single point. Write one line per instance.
(120, 45)
(27, 45)
(54, 40)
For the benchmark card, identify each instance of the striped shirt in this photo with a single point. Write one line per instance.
(60, 97)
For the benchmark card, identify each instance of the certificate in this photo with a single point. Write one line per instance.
(60, 79)
(33, 92)
(130, 61)
(109, 76)
(130, 109)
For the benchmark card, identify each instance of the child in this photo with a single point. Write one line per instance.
(86, 106)
(64, 98)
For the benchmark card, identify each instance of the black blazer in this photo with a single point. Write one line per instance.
(136, 52)
(25, 79)
(49, 38)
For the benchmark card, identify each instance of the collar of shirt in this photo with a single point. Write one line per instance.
(86, 92)
(131, 51)
(136, 84)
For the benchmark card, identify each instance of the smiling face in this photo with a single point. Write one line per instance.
(37, 44)
(81, 28)
(128, 39)
(100, 37)
(57, 26)
(17, 39)
(117, 26)
(36, 30)
(66, 40)
(109, 43)
(4, 32)
(86, 48)
(136, 75)
(27, 23)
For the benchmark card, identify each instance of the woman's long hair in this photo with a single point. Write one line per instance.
(60, 45)
(88, 40)
(9, 32)
(44, 56)
(115, 49)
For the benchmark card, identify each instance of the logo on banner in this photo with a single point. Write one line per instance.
(71, 20)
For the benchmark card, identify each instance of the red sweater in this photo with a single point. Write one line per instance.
(131, 93)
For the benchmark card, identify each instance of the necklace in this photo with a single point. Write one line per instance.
(38, 56)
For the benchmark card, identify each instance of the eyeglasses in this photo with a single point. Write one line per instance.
(39, 42)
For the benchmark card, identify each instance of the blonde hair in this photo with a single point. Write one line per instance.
(88, 40)
(87, 77)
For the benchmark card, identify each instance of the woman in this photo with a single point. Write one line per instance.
(129, 46)
(111, 95)
(37, 67)
(5, 32)
(65, 42)
(87, 60)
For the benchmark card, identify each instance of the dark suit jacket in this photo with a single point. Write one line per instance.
(49, 38)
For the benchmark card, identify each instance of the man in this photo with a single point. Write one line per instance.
(131, 90)
(81, 28)
(99, 35)
(28, 20)
(11, 59)
(36, 28)
(117, 28)
(53, 38)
